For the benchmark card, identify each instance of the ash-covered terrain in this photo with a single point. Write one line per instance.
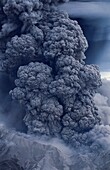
(52, 114)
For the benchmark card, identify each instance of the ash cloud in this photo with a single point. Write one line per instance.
(102, 100)
(56, 88)
(43, 51)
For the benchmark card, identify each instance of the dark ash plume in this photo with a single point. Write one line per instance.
(42, 49)
(56, 88)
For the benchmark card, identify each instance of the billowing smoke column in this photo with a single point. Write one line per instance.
(43, 51)
(53, 83)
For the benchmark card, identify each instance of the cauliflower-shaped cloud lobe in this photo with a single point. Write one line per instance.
(53, 83)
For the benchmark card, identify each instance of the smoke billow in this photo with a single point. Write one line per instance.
(42, 54)
(102, 100)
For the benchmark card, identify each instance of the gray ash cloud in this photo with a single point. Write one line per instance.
(56, 88)
(42, 50)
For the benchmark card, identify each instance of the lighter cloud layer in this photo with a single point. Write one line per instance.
(105, 75)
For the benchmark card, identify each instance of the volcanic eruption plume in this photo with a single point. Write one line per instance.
(42, 50)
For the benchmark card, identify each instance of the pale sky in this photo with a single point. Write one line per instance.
(105, 75)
